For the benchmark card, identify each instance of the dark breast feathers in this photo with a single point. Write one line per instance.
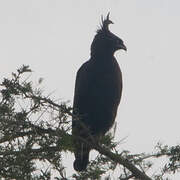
(97, 94)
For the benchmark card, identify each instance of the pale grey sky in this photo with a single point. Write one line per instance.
(54, 37)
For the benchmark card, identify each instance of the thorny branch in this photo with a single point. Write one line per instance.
(41, 130)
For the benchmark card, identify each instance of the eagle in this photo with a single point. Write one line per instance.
(98, 90)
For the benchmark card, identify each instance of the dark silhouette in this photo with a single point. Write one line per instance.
(97, 92)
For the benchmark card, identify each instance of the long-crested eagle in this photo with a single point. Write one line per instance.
(98, 90)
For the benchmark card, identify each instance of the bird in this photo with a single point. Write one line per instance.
(98, 89)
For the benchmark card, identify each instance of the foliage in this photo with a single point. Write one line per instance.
(35, 130)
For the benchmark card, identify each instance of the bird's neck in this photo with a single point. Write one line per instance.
(103, 56)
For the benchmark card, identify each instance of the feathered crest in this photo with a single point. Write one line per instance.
(105, 23)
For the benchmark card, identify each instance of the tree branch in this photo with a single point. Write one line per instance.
(120, 160)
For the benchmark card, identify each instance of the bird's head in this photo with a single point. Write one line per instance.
(105, 41)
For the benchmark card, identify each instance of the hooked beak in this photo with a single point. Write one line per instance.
(122, 46)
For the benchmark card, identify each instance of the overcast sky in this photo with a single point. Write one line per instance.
(54, 37)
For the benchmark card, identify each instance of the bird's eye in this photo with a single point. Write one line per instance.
(118, 41)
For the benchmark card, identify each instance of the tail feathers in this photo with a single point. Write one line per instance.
(82, 159)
